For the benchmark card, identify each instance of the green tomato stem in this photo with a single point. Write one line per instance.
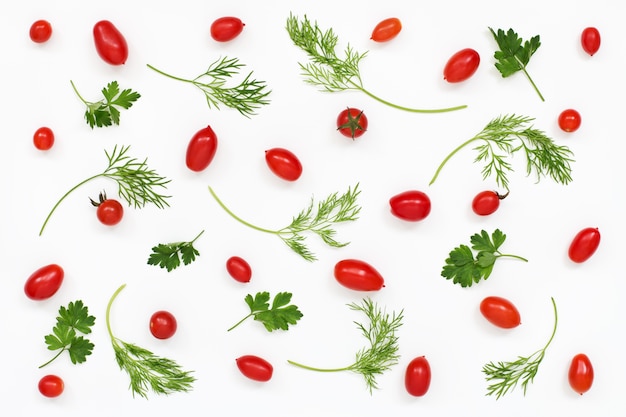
(311, 368)
(239, 219)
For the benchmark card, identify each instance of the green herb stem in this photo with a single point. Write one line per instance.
(173, 77)
(507, 255)
(311, 368)
(533, 84)
(447, 158)
(52, 360)
(239, 219)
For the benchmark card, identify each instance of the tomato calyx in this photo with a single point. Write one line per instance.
(102, 197)
(501, 196)
(353, 124)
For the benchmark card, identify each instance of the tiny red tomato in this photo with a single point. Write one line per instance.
(410, 205)
(201, 149)
(109, 211)
(163, 324)
(358, 275)
(352, 122)
(226, 28)
(462, 65)
(283, 163)
(590, 40)
(417, 376)
(51, 386)
(500, 312)
(43, 139)
(580, 373)
(255, 368)
(584, 244)
(487, 202)
(569, 120)
(110, 43)
(44, 282)
(40, 31)
(386, 30)
(239, 269)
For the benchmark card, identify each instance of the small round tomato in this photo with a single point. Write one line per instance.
(590, 40)
(584, 244)
(44, 282)
(284, 163)
(255, 368)
(110, 43)
(580, 373)
(43, 139)
(487, 202)
(239, 269)
(51, 386)
(500, 312)
(410, 205)
(352, 122)
(109, 211)
(226, 28)
(163, 324)
(40, 31)
(386, 30)
(461, 65)
(358, 275)
(201, 149)
(569, 120)
(417, 376)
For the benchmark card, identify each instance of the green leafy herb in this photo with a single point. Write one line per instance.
(504, 376)
(147, 371)
(465, 269)
(72, 320)
(334, 209)
(137, 184)
(106, 112)
(514, 56)
(506, 135)
(245, 97)
(168, 255)
(278, 317)
(382, 352)
(329, 72)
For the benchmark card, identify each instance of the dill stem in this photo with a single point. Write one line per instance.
(447, 158)
(108, 311)
(311, 368)
(239, 219)
(169, 75)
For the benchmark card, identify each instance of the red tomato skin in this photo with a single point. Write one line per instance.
(239, 269)
(255, 368)
(283, 163)
(590, 40)
(44, 282)
(110, 43)
(352, 122)
(487, 202)
(43, 138)
(584, 244)
(226, 28)
(201, 149)
(500, 312)
(417, 377)
(40, 31)
(110, 212)
(411, 205)
(386, 30)
(569, 120)
(462, 65)
(51, 386)
(580, 374)
(358, 275)
(163, 324)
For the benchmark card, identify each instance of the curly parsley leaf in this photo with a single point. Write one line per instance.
(106, 112)
(277, 317)
(169, 255)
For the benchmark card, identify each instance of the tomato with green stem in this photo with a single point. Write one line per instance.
(584, 244)
(283, 163)
(580, 375)
(417, 376)
(239, 269)
(358, 275)
(109, 211)
(500, 312)
(461, 65)
(163, 324)
(569, 120)
(44, 282)
(110, 44)
(51, 386)
(386, 30)
(590, 40)
(43, 138)
(201, 149)
(487, 202)
(411, 205)
(255, 368)
(226, 28)
(40, 31)
(352, 122)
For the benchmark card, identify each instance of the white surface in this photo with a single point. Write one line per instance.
(399, 152)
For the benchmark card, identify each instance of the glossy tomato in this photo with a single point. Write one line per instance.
(201, 149)
(255, 368)
(569, 120)
(163, 324)
(51, 386)
(500, 312)
(487, 202)
(590, 40)
(417, 376)
(584, 244)
(44, 282)
(226, 28)
(462, 65)
(284, 163)
(580, 373)
(43, 139)
(352, 122)
(412, 205)
(40, 31)
(110, 43)
(386, 30)
(239, 269)
(109, 211)
(358, 275)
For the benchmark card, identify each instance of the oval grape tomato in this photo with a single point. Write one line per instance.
(500, 312)
(462, 65)
(283, 163)
(51, 386)
(417, 376)
(412, 205)
(386, 30)
(255, 368)
(110, 43)
(590, 40)
(358, 275)
(584, 244)
(201, 149)
(239, 269)
(44, 282)
(580, 373)
(487, 202)
(226, 28)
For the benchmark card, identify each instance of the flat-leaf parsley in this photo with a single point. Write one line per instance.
(277, 317)
(105, 112)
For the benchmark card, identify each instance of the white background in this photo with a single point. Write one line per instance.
(399, 152)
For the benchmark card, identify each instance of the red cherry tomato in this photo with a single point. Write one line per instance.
(386, 30)
(584, 244)
(500, 312)
(461, 65)
(580, 373)
(487, 202)
(352, 122)
(43, 139)
(358, 275)
(51, 386)
(590, 40)
(110, 43)
(255, 368)
(201, 149)
(417, 377)
(239, 269)
(163, 324)
(40, 31)
(569, 120)
(283, 163)
(410, 205)
(44, 282)
(109, 211)
(226, 28)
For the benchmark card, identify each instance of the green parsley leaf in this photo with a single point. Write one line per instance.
(169, 255)
(106, 112)
(278, 317)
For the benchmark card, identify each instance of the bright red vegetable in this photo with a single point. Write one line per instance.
(590, 40)
(163, 324)
(386, 30)
(358, 275)
(109, 211)
(43, 139)
(584, 244)
(255, 368)
(226, 28)
(352, 122)
(417, 376)
(201, 149)
(40, 31)
(51, 386)
(239, 269)
(110, 43)
(569, 120)
(462, 65)
(284, 163)
(412, 205)
(44, 282)
(487, 202)
(500, 312)
(580, 373)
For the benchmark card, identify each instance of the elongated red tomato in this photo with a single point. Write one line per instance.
(239, 269)
(358, 275)
(461, 65)
(110, 43)
(386, 29)
(417, 376)
(590, 40)
(580, 373)
(44, 282)
(412, 205)
(584, 244)
(226, 28)
(201, 149)
(255, 368)
(284, 163)
(487, 202)
(500, 312)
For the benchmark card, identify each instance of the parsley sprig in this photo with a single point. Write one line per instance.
(277, 317)
(334, 209)
(105, 112)
(330, 72)
(168, 255)
(465, 269)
